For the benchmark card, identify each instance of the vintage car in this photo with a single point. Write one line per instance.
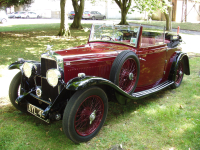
(121, 63)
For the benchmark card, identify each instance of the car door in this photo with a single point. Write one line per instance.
(95, 14)
(152, 56)
(98, 15)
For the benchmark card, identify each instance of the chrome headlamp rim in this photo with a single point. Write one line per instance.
(53, 76)
(28, 69)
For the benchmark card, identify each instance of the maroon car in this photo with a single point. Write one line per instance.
(123, 63)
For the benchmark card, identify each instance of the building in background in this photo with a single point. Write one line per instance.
(182, 11)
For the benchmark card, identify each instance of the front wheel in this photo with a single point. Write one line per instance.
(14, 92)
(85, 114)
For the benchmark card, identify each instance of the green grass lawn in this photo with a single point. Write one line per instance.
(184, 25)
(167, 119)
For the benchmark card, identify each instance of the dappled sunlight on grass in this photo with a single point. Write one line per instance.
(197, 96)
(182, 128)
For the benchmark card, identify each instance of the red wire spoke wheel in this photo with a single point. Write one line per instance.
(178, 75)
(128, 75)
(125, 71)
(89, 115)
(85, 114)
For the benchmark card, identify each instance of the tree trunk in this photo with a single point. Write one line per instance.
(124, 5)
(64, 29)
(123, 17)
(168, 17)
(78, 9)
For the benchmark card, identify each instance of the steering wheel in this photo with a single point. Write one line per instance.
(111, 39)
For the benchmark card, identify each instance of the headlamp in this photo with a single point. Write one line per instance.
(53, 75)
(28, 69)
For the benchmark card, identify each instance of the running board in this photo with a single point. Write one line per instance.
(152, 90)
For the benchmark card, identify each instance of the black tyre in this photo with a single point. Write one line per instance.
(85, 114)
(104, 17)
(93, 18)
(178, 75)
(14, 92)
(125, 71)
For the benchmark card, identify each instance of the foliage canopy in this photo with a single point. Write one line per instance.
(8, 3)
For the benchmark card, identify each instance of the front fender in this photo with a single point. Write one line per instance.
(19, 64)
(81, 83)
(16, 65)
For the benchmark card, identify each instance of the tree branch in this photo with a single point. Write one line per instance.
(75, 5)
(119, 3)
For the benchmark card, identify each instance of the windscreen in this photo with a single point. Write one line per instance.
(152, 38)
(115, 33)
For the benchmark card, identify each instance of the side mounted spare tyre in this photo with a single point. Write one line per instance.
(125, 71)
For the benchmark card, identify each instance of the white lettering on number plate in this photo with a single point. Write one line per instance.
(34, 110)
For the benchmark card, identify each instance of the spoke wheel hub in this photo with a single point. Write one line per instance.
(92, 116)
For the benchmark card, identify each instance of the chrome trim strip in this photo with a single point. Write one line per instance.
(87, 59)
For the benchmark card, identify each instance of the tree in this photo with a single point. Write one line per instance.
(124, 5)
(8, 3)
(151, 6)
(168, 14)
(148, 6)
(64, 28)
(78, 9)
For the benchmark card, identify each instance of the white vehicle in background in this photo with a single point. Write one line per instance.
(17, 15)
(23, 14)
(11, 15)
(31, 14)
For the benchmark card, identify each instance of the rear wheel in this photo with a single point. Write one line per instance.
(14, 92)
(93, 18)
(178, 75)
(85, 114)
